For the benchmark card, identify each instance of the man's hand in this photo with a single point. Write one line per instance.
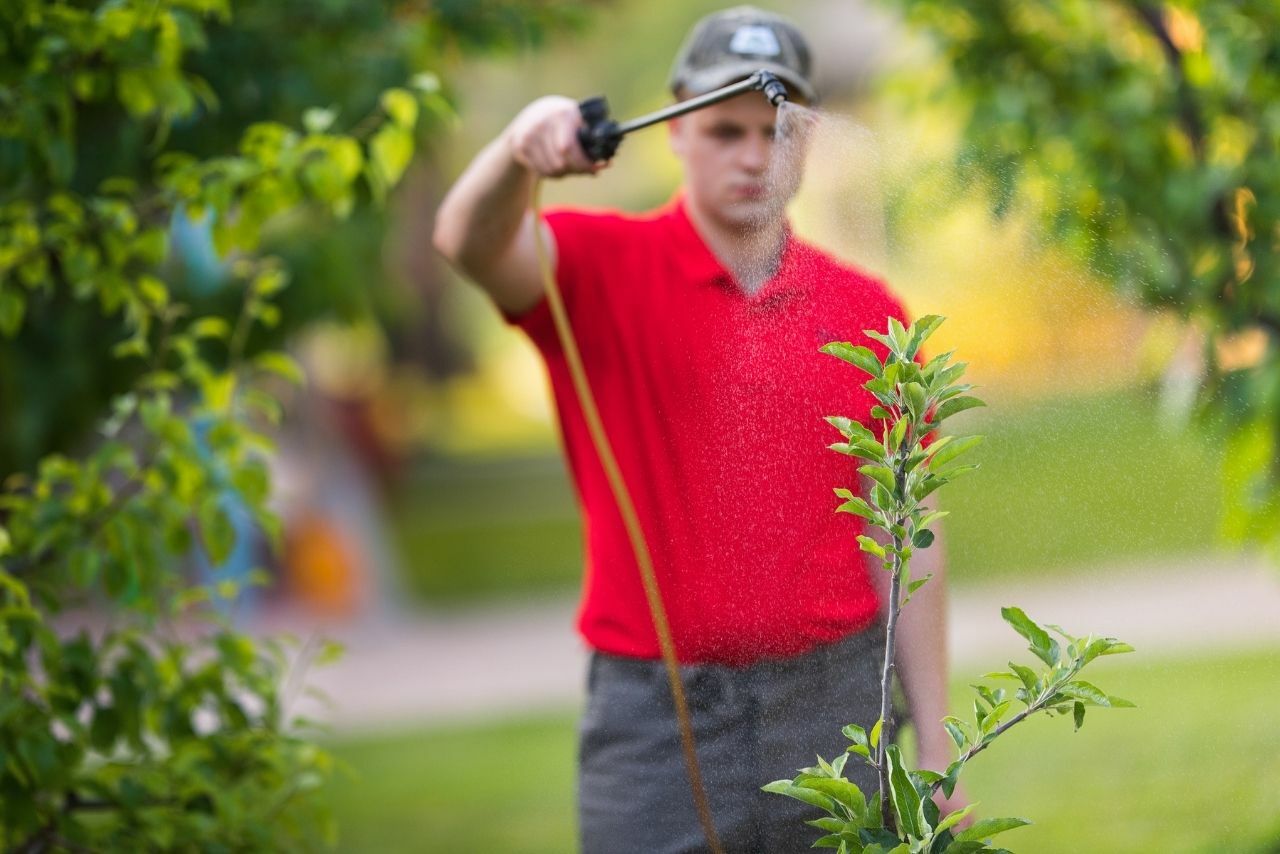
(544, 139)
(484, 225)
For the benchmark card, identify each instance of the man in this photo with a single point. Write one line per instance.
(700, 325)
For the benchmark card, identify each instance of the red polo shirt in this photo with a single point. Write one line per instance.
(714, 402)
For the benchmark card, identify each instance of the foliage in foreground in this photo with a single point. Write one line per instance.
(138, 735)
(139, 140)
(904, 469)
(1146, 136)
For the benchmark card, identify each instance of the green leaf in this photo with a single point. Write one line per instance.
(12, 307)
(870, 546)
(849, 428)
(216, 530)
(953, 818)
(914, 393)
(922, 329)
(839, 790)
(856, 734)
(1027, 676)
(858, 507)
(881, 475)
(922, 539)
(905, 798)
(898, 334)
(866, 450)
(953, 406)
(105, 728)
(330, 652)
(1042, 646)
(859, 357)
(956, 730)
(211, 327)
(874, 737)
(860, 749)
(282, 365)
(808, 796)
(953, 449)
(391, 149)
(989, 827)
(916, 585)
(401, 106)
(952, 472)
(929, 519)
(1086, 692)
(898, 433)
(1077, 712)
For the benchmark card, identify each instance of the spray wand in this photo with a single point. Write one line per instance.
(601, 135)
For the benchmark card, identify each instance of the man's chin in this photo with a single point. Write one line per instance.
(754, 213)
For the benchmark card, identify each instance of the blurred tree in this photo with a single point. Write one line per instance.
(135, 736)
(1147, 135)
(275, 61)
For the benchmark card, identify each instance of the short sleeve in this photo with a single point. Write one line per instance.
(578, 236)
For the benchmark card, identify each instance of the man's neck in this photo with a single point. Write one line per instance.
(751, 255)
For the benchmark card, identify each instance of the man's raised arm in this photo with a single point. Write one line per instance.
(485, 227)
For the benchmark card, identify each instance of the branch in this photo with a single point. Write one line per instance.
(1037, 705)
(1192, 123)
(886, 677)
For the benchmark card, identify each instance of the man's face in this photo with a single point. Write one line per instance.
(739, 170)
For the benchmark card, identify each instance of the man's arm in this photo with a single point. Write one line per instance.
(484, 226)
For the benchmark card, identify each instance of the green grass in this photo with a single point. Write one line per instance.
(1081, 481)
(1194, 769)
(1085, 481)
(505, 787)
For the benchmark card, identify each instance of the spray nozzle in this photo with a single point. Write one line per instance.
(601, 135)
(773, 88)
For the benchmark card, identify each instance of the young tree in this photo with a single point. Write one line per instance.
(900, 817)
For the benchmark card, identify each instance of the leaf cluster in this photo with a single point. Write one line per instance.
(855, 825)
(903, 468)
(136, 735)
(111, 739)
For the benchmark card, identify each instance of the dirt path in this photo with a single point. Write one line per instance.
(517, 658)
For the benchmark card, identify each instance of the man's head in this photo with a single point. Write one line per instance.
(727, 46)
(739, 172)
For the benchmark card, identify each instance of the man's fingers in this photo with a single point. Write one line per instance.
(571, 149)
(546, 139)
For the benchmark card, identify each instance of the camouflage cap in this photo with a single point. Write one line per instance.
(731, 44)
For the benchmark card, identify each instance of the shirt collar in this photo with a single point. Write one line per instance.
(702, 264)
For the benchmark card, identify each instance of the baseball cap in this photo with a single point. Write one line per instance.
(731, 44)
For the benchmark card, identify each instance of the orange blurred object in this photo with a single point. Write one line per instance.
(321, 567)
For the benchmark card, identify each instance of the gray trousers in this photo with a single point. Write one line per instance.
(752, 725)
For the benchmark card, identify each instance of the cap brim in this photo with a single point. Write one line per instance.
(709, 79)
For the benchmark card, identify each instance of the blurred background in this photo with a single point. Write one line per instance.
(430, 524)
(1099, 505)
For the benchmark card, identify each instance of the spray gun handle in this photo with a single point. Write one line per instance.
(599, 136)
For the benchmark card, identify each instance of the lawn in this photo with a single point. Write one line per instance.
(1069, 484)
(1194, 769)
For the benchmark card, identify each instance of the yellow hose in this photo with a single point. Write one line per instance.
(634, 532)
